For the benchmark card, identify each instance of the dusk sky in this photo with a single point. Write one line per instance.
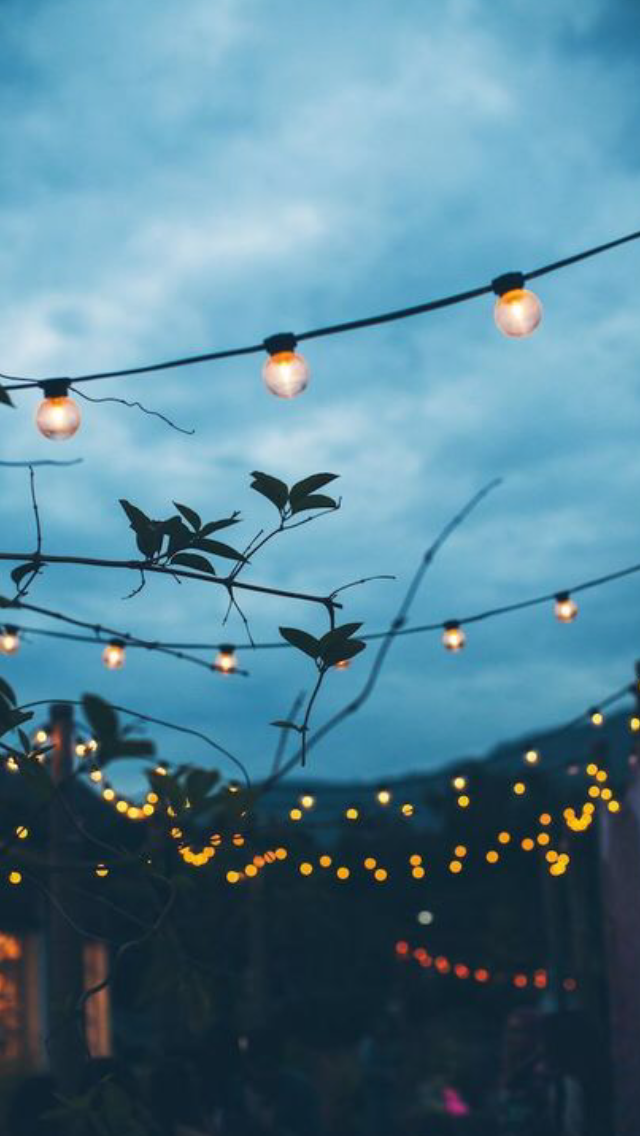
(182, 178)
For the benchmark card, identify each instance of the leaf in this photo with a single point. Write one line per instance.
(101, 717)
(179, 535)
(7, 692)
(199, 783)
(309, 485)
(302, 640)
(148, 535)
(4, 397)
(342, 651)
(217, 548)
(285, 725)
(23, 570)
(339, 634)
(190, 516)
(190, 560)
(318, 501)
(270, 487)
(215, 526)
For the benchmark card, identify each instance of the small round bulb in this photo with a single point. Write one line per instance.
(226, 660)
(57, 416)
(517, 312)
(113, 655)
(565, 609)
(342, 665)
(596, 716)
(9, 640)
(286, 373)
(453, 637)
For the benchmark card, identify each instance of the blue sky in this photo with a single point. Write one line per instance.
(178, 180)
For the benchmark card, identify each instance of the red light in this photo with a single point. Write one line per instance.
(402, 948)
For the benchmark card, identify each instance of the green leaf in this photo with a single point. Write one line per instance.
(215, 526)
(4, 397)
(318, 501)
(217, 548)
(190, 560)
(7, 692)
(302, 640)
(309, 485)
(190, 516)
(101, 717)
(339, 652)
(270, 487)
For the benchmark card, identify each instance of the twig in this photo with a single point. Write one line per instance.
(134, 405)
(284, 734)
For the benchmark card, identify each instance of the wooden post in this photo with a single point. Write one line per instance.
(67, 1051)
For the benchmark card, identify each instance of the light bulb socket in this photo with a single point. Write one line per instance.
(119, 643)
(562, 597)
(55, 388)
(451, 625)
(508, 282)
(226, 649)
(283, 341)
(10, 629)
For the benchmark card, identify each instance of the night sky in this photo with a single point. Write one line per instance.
(181, 179)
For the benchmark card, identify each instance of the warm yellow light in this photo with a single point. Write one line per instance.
(113, 655)
(281, 853)
(122, 806)
(453, 637)
(565, 608)
(12, 765)
(226, 660)
(492, 856)
(455, 866)
(504, 837)
(40, 737)
(418, 873)
(57, 416)
(9, 640)
(295, 814)
(517, 313)
(148, 809)
(153, 798)
(415, 859)
(519, 788)
(532, 757)
(96, 775)
(326, 861)
(634, 724)
(463, 802)
(102, 870)
(342, 665)
(233, 877)
(527, 844)
(160, 770)
(407, 810)
(251, 870)
(551, 856)
(460, 851)
(22, 832)
(613, 806)
(238, 839)
(592, 769)
(352, 814)
(134, 813)
(459, 783)
(383, 796)
(380, 875)
(307, 801)
(606, 794)
(108, 794)
(543, 839)
(601, 776)
(81, 750)
(597, 717)
(545, 818)
(306, 869)
(370, 863)
(15, 877)
(343, 873)
(286, 374)
(594, 791)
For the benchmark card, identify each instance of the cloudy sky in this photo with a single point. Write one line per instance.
(177, 179)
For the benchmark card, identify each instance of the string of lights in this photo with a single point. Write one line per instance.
(286, 373)
(483, 975)
(453, 636)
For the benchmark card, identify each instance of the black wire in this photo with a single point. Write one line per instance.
(330, 329)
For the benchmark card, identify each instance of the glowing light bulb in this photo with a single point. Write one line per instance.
(57, 416)
(342, 665)
(596, 716)
(453, 637)
(286, 373)
(307, 801)
(532, 757)
(113, 655)
(383, 796)
(517, 311)
(9, 640)
(226, 660)
(459, 783)
(565, 609)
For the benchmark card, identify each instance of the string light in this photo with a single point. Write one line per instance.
(532, 757)
(342, 665)
(565, 609)
(596, 716)
(9, 640)
(113, 655)
(383, 796)
(453, 637)
(286, 373)
(517, 311)
(57, 416)
(226, 660)
(459, 783)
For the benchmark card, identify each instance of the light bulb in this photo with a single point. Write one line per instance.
(57, 416)
(597, 717)
(453, 636)
(9, 640)
(517, 311)
(286, 373)
(226, 660)
(342, 665)
(565, 609)
(113, 655)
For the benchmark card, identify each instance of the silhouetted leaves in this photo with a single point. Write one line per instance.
(300, 498)
(270, 487)
(302, 640)
(190, 516)
(23, 570)
(5, 400)
(105, 726)
(191, 560)
(180, 538)
(334, 647)
(148, 538)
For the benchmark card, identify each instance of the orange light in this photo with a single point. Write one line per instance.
(9, 640)
(565, 608)
(460, 851)
(226, 660)
(325, 861)
(517, 312)
(306, 869)
(492, 856)
(343, 873)
(370, 863)
(453, 637)
(380, 875)
(481, 974)
(519, 788)
(527, 844)
(342, 665)
(455, 866)
(520, 980)
(418, 873)
(57, 416)
(285, 373)
(113, 655)
(504, 837)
